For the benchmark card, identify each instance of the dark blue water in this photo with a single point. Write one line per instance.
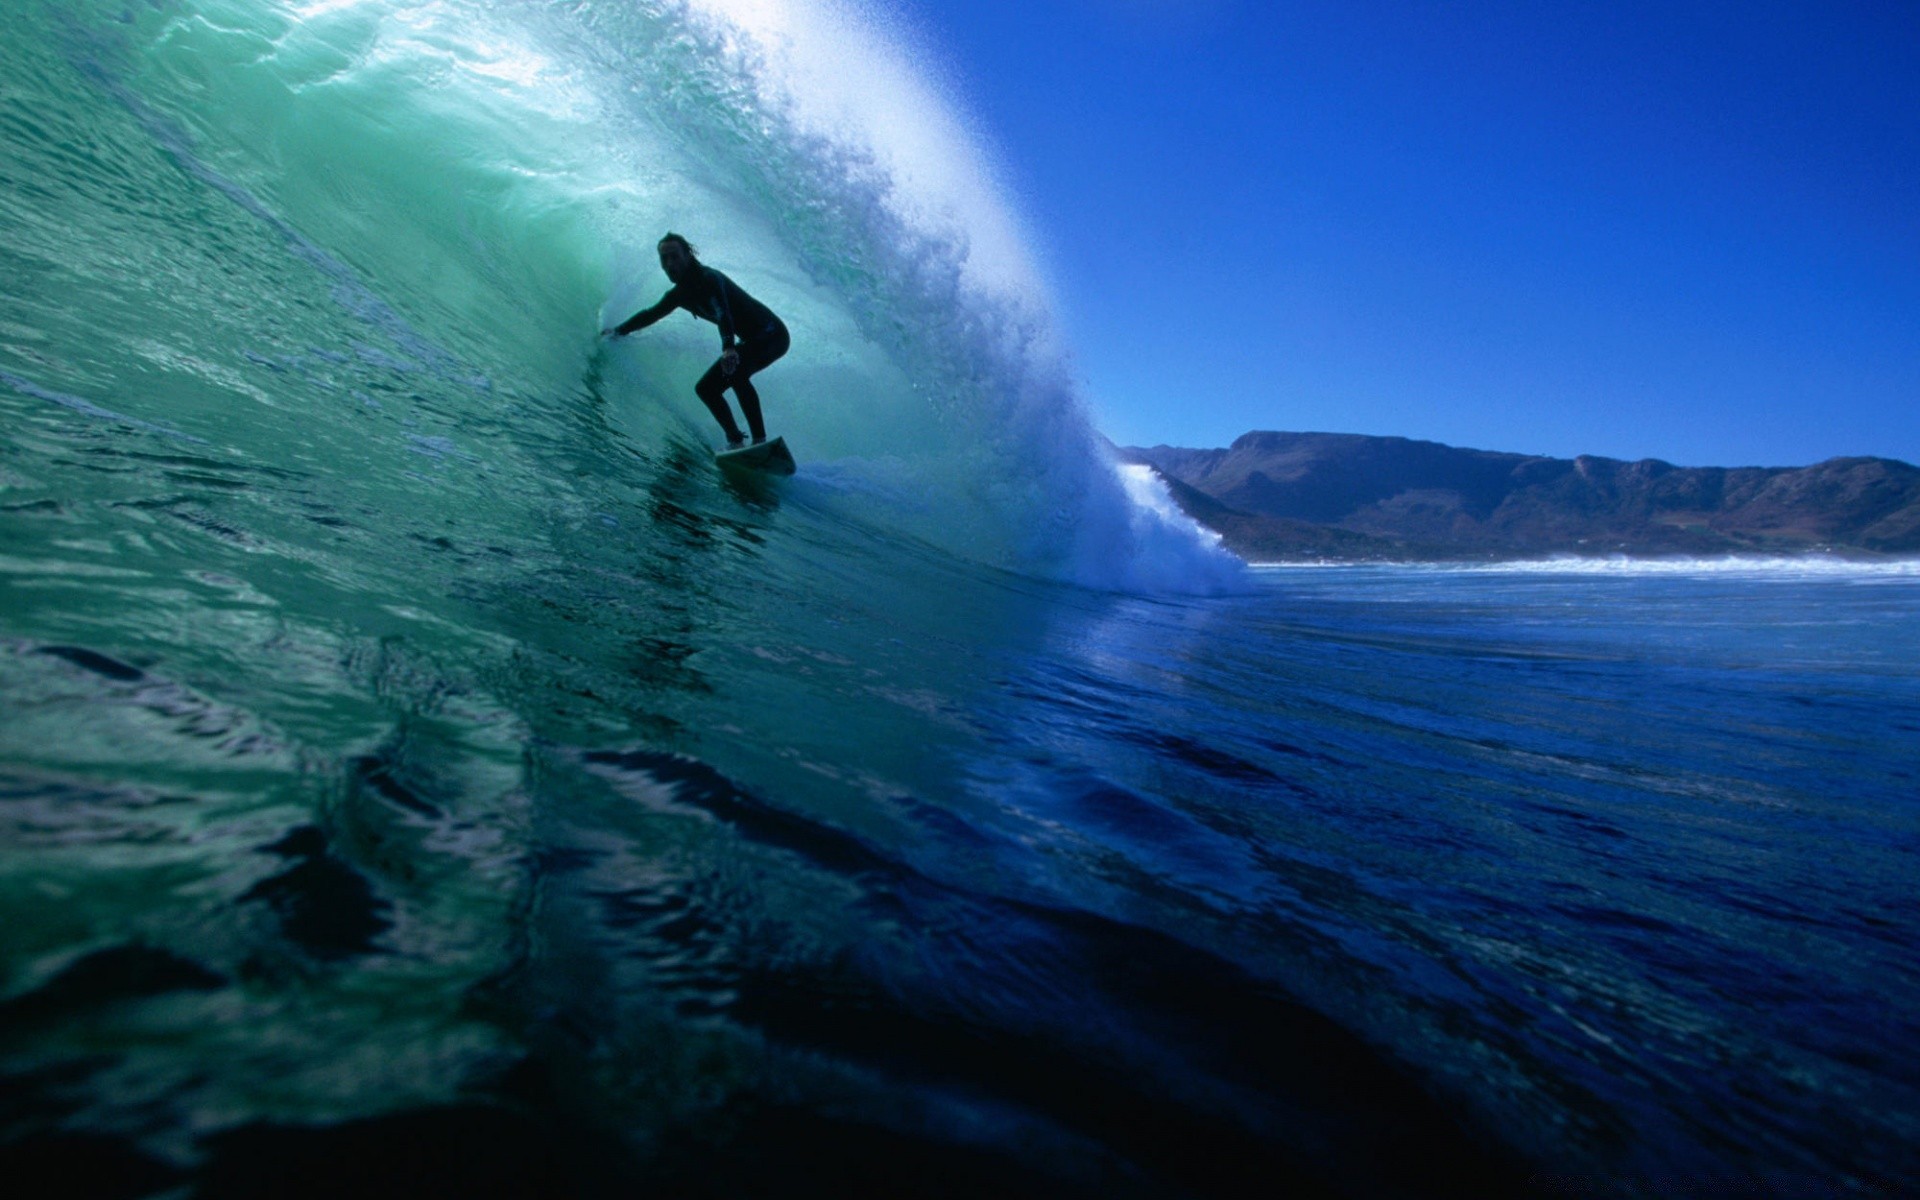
(1622, 858)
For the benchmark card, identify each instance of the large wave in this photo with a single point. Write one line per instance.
(480, 187)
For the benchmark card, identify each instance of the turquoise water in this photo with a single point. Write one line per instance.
(420, 768)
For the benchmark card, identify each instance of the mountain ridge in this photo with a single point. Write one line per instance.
(1276, 495)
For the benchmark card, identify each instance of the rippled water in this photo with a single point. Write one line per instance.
(1372, 878)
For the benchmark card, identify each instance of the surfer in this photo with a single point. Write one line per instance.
(751, 337)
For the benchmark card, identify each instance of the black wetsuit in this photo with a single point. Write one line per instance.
(760, 336)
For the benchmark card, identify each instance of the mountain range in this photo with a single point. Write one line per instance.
(1288, 496)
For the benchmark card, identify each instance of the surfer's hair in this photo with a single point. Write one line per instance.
(683, 243)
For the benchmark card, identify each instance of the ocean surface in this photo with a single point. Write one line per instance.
(422, 773)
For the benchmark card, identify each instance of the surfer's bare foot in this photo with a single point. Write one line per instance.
(760, 441)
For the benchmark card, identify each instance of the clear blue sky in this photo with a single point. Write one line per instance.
(1687, 231)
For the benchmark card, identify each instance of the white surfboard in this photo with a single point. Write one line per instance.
(772, 457)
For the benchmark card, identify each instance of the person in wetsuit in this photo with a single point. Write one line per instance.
(751, 337)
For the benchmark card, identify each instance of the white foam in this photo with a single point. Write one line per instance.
(1169, 551)
(853, 74)
(1754, 567)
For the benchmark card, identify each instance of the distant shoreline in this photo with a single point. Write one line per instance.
(1276, 497)
(1809, 564)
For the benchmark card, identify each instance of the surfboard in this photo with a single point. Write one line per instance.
(772, 457)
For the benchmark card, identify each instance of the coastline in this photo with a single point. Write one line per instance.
(1807, 564)
(1284, 497)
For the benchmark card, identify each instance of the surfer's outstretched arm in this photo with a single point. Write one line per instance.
(641, 319)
